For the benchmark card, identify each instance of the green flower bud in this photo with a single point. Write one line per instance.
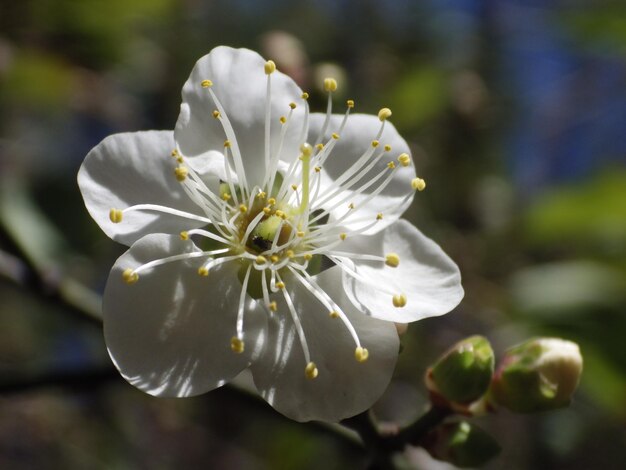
(462, 444)
(463, 374)
(538, 375)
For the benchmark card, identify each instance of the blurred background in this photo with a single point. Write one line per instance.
(516, 115)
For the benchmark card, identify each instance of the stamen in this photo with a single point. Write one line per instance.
(392, 260)
(384, 114)
(404, 159)
(330, 84)
(115, 215)
(181, 173)
(418, 184)
(311, 371)
(206, 83)
(399, 300)
(361, 354)
(130, 276)
(236, 345)
(242, 302)
(166, 210)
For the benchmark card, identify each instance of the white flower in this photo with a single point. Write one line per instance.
(269, 239)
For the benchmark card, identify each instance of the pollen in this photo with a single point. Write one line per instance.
(305, 96)
(343, 235)
(330, 84)
(236, 344)
(308, 256)
(267, 210)
(294, 187)
(379, 216)
(243, 208)
(115, 215)
(206, 83)
(270, 67)
(361, 354)
(273, 306)
(181, 173)
(335, 136)
(225, 196)
(310, 371)
(387, 148)
(216, 114)
(184, 235)
(283, 119)
(350, 104)
(351, 205)
(404, 159)
(261, 195)
(174, 153)
(317, 169)
(319, 146)
(275, 259)
(399, 300)
(260, 260)
(392, 260)
(279, 213)
(130, 276)
(334, 314)
(391, 165)
(292, 105)
(375, 143)
(227, 143)
(384, 114)
(271, 201)
(280, 285)
(419, 184)
(203, 271)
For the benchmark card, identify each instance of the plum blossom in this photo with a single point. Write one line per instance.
(266, 237)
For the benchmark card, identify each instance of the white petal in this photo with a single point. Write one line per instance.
(169, 333)
(427, 276)
(240, 82)
(344, 387)
(354, 141)
(136, 168)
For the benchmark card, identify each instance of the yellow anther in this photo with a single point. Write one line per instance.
(184, 235)
(350, 104)
(179, 159)
(384, 114)
(330, 84)
(399, 300)
(203, 271)
(379, 216)
(306, 149)
(236, 345)
(342, 236)
(275, 259)
(308, 256)
(227, 143)
(260, 260)
(216, 114)
(116, 216)
(300, 233)
(226, 196)
(335, 136)
(206, 83)
(267, 210)
(418, 184)
(261, 195)
(391, 165)
(361, 354)
(305, 96)
(271, 201)
(351, 205)
(280, 285)
(387, 148)
(404, 159)
(273, 306)
(282, 119)
(130, 276)
(392, 260)
(279, 213)
(294, 187)
(270, 67)
(181, 173)
(317, 169)
(174, 153)
(311, 370)
(243, 208)
(290, 254)
(375, 143)
(292, 105)
(319, 146)
(334, 314)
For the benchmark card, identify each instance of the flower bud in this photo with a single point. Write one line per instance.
(540, 374)
(462, 444)
(463, 374)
